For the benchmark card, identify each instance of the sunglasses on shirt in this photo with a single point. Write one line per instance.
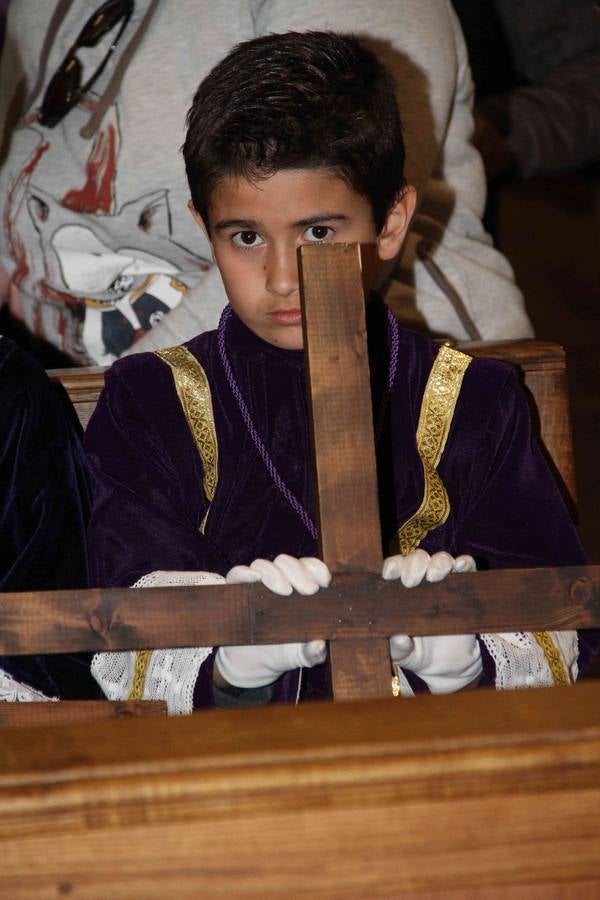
(65, 88)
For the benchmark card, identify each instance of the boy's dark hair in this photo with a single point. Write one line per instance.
(297, 101)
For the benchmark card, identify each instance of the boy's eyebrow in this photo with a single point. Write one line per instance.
(252, 225)
(247, 224)
(316, 220)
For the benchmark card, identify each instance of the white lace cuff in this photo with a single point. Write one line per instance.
(533, 659)
(168, 675)
(177, 579)
(12, 691)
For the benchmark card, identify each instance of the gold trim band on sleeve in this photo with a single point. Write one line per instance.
(437, 411)
(194, 395)
(142, 660)
(553, 656)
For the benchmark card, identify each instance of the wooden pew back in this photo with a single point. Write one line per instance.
(543, 368)
(480, 796)
(84, 386)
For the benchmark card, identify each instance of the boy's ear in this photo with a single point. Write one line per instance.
(391, 237)
(198, 219)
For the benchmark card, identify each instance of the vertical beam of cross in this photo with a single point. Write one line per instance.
(347, 510)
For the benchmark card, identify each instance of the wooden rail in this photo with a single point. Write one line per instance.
(354, 607)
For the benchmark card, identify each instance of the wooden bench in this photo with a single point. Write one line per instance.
(542, 365)
(543, 369)
(26, 715)
(478, 796)
(83, 386)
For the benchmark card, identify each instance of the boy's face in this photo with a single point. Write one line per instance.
(255, 229)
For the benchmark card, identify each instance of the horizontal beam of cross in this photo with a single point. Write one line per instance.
(354, 607)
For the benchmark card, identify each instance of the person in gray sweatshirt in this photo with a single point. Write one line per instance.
(98, 254)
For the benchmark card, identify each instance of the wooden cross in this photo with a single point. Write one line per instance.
(341, 418)
(359, 612)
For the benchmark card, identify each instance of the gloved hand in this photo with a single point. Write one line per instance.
(285, 574)
(445, 664)
(418, 564)
(262, 664)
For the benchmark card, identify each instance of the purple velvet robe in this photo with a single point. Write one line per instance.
(506, 509)
(44, 508)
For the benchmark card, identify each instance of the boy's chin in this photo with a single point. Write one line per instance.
(289, 344)
(289, 338)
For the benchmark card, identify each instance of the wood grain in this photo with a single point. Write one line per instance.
(341, 417)
(26, 715)
(83, 386)
(469, 795)
(353, 607)
(360, 668)
(341, 425)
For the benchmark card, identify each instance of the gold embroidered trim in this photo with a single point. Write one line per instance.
(553, 656)
(142, 659)
(437, 409)
(194, 395)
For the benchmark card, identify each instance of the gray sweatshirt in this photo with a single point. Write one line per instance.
(100, 254)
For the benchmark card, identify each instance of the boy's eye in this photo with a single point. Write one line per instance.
(246, 239)
(317, 233)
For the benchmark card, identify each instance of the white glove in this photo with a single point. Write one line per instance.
(445, 664)
(284, 574)
(418, 564)
(262, 664)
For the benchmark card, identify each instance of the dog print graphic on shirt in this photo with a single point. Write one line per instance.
(102, 274)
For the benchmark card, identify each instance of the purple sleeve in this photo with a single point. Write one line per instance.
(510, 511)
(513, 515)
(148, 499)
(45, 493)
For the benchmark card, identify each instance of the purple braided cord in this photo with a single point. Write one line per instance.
(394, 339)
(394, 342)
(264, 453)
(245, 412)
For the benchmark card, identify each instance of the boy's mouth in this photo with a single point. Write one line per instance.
(286, 316)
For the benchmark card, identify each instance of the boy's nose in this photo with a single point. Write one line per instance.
(281, 270)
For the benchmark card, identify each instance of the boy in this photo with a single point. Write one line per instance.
(201, 453)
